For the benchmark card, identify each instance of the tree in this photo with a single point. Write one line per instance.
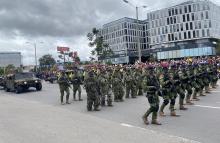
(10, 69)
(96, 40)
(47, 60)
(1, 71)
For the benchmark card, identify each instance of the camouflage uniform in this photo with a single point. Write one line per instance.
(64, 87)
(117, 85)
(105, 88)
(151, 86)
(169, 93)
(76, 81)
(91, 86)
(139, 79)
(130, 84)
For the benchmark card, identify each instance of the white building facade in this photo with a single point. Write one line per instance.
(14, 58)
(187, 29)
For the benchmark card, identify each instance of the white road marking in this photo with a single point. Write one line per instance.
(212, 107)
(172, 136)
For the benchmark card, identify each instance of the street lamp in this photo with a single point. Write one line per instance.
(35, 51)
(138, 38)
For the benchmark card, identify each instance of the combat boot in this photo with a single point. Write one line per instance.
(188, 102)
(183, 108)
(155, 122)
(96, 109)
(173, 114)
(154, 119)
(145, 120)
(162, 114)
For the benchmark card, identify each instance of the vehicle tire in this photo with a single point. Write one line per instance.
(19, 89)
(39, 87)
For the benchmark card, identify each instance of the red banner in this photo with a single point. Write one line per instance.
(63, 49)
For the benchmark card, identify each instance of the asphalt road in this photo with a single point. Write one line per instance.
(201, 122)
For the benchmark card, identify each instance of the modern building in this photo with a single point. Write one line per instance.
(123, 36)
(187, 29)
(14, 58)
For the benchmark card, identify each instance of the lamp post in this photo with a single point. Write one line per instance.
(35, 52)
(137, 26)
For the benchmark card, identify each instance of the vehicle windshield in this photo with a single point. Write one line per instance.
(23, 75)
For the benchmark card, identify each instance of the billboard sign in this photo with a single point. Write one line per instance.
(63, 49)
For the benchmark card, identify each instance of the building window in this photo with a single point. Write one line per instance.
(194, 34)
(174, 19)
(172, 37)
(184, 18)
(169, 39)
(207, 15)
(191, 25)
(180, 10)
(181, 26)
(173, 13)
(180, 36)
(203, 33)
(176, 11)
(168, 21)
(187, 26)
(193, 16)
(169, 11)
(171, 20)
(208, 33)
(189, 35)
(197, 33)
(188, 19)
(178, 28)
(202, 16)
(185, 35)
(185, 9)
(190, 8)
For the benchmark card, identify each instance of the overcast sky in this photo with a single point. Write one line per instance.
(61, 23)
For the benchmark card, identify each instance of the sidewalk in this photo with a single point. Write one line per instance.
(24, 121)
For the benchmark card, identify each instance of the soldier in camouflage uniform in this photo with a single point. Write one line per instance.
(151, 86)
(130, 83)
(76, 81)
(139, 79)
(169, 94)
(91, 86)
(179, 88)
(64, 87)
(117, 85)
(105, 87)
(188, 74)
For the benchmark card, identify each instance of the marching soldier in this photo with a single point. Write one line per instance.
(91, 86)
(151, 87)
(76, 81)
(64, 87)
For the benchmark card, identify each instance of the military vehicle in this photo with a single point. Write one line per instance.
(20, 82)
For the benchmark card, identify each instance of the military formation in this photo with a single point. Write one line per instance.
(188, 79)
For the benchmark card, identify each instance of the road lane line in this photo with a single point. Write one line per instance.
(172, 136)
(212, 107)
